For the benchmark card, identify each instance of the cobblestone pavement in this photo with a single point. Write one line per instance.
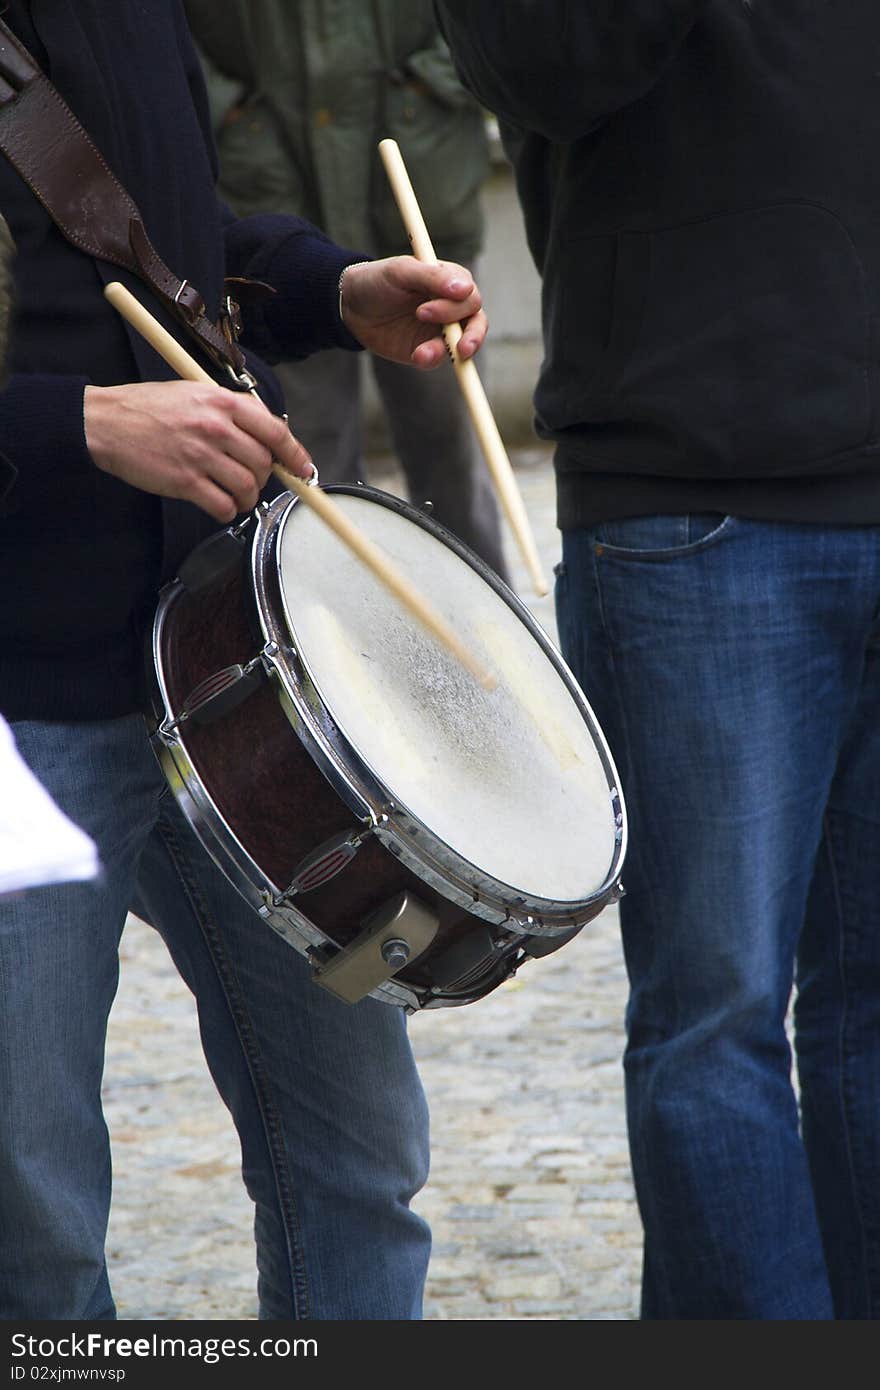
(530, 1197)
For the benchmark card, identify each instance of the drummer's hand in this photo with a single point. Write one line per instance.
(204, 444)
(395, 307)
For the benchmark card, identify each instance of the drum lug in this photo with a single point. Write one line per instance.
(222, 692)
(392, 937)
(537, 947)
(326, 861)
(214, 558)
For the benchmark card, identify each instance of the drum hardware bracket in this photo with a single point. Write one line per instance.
(536, 947)
(213, 559)
(284, 924)
(219, 694)
(325, 862)
(461, 958)
(401, 930)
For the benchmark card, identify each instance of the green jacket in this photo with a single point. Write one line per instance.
(302, 92)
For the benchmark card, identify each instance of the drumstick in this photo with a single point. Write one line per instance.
(466, 372)
(366, 550)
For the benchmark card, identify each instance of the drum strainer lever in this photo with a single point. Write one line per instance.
(395, 935)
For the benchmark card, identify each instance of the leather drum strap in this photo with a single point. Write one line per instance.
(48, 147)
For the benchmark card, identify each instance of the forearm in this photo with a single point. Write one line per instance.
(558, 68)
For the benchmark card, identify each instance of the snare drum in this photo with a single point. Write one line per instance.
(416, 836)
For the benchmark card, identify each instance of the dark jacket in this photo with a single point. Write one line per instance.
(701, 187)
(81, 553)
(303, 93)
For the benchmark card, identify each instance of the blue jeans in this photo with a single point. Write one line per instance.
(325, 1096)
(733, 667)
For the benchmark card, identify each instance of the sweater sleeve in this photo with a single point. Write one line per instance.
(42, 435)
(303, 267)
(558, 68)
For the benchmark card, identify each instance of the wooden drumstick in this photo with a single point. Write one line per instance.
(366, 550)
(466, 372)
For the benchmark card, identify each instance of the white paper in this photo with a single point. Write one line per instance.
(39, 844)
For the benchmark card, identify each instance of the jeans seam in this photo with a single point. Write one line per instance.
(648, 1248)
(259, 1080)
(841, 1047)
(628, 760)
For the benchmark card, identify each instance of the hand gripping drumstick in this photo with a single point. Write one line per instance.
(177, 357)
(466, 372)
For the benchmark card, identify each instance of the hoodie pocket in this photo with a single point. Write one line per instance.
(746, 342)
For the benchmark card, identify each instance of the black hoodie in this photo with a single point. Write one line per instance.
(700, 181)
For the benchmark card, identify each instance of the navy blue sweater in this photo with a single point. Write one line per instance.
(82, 554)
(701, 188)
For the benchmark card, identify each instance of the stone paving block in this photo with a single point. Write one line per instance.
(471, 1213)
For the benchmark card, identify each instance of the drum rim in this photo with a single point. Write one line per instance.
(404, 833)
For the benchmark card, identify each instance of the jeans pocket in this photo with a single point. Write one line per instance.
(660, 537)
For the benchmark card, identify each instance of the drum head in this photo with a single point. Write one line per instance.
(511, 779)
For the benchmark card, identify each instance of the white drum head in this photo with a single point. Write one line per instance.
(510, 779)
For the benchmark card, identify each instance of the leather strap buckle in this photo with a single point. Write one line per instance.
(229, 319)
(189, 301)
